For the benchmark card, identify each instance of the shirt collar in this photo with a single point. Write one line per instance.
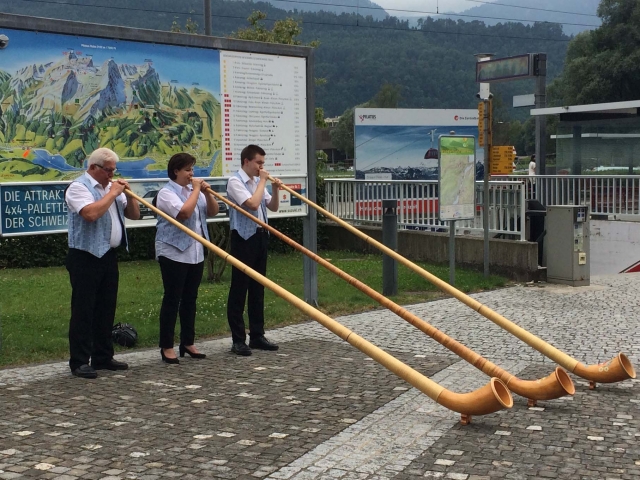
(244, 176)
(178, 188)
(94, 182)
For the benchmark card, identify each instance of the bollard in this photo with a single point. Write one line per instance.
(389, 240)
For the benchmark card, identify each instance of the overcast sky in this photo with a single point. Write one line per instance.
(424, 5)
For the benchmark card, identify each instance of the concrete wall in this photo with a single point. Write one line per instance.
(615, 246)
(513, 259)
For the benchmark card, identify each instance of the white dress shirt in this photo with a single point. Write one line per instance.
(237, 191)
(171, 204)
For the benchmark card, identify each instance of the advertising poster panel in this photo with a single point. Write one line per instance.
(63, 96)
(402, 144)
(39, 208)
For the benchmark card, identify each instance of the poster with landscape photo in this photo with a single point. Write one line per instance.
(402, 144)
(63, 96)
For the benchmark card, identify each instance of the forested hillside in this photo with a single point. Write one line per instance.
(577, 15)
(433, 64)
(361, 7)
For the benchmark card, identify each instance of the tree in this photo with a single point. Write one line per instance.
(387, 97)
(190, 26)
(603, 65)
(342, 135)
(284, 31)
(319, 118)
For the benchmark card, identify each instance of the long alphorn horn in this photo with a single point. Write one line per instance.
(492, 397)
(556, 385)
(615, 370)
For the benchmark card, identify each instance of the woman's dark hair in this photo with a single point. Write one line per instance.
(178, 162)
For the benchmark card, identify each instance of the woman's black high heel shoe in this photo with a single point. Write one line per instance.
(184, 350)
(168, 360)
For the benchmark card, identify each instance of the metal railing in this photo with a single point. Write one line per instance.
(360, 201)
(605, 195)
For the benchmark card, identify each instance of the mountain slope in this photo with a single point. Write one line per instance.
(581, 13)
(359, 7)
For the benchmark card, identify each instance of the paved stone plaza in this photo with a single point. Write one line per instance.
(319, 408)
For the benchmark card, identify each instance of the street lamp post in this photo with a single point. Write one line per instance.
(207, 17)
(485, 95)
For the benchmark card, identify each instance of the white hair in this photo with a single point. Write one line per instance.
(101, 155)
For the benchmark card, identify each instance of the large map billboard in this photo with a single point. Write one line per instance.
(402, 144)
(63, 96)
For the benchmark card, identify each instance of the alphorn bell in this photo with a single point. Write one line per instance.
(556, 385)
(615, 370)
(490, 398)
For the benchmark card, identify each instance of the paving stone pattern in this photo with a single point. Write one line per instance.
(319, 408)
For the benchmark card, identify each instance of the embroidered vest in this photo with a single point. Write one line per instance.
(93, 237)
(244, 225)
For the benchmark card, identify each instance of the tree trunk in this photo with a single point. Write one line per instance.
(219, 235)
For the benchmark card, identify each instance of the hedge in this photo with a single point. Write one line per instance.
(50, 250)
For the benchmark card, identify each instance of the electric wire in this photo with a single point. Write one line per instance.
(437, 12)
(357, 25)
(320, 4)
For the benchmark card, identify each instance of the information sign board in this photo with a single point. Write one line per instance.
(39, 208)
(505, 69)
(502, 158)
(481, 139)
(66, 95)
(456, 180)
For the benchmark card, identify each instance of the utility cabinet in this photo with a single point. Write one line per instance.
(566, 244)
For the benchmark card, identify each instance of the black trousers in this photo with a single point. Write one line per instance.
(253, 253)
(181, 282)
(94, 293)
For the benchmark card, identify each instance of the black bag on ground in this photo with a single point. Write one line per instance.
(124, 334)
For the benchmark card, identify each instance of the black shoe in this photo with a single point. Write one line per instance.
(240, 348)
(261, 343)
(184, 350)
(173, 361)
(112, 365)
(84, 371)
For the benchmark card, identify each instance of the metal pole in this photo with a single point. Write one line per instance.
(310, 222)
(207, 17)
(541, 120)
(452, 252)
(485, 96)
(485, 196)
(389, 240)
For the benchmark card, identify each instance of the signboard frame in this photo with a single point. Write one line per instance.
(522, 66)
(153, 37)
(451, 211)
(19, 218)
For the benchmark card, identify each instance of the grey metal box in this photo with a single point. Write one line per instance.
(566, 244)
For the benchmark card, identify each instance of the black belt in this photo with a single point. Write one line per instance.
(260, 230)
